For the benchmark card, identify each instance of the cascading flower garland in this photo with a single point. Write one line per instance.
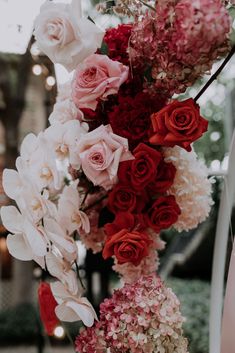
(116, 166)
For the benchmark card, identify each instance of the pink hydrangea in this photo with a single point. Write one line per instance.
(143, 317)
(200, 31)
(180, 42)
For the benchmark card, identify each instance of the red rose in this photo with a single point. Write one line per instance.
(164, 178)
(122, 198)
(163, 213)
(143, 167)
(124, 172)
(127, 247)
(179, 123)
(131, 117)
(125, 220)
(47, 305)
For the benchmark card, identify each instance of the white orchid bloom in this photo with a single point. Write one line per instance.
(36, 204)
(72, 307)
(27, 197)
(64, 139)
(12, 183)
(65, 244)
(28, 242)
(69, 215)
(61, 269)
(37, 162)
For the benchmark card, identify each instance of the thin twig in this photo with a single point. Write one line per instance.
(128, 9)
(85, 197)
(216, 74)
(147, 5)
(95, 203)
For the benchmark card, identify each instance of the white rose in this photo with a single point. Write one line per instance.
(64, 36)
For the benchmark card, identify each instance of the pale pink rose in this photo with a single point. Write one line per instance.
(100, 152)
(64, 35)
(96, 78)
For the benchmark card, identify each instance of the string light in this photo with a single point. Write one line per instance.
(34, 50)
(50, 81)
(59, 332)
(37, 70)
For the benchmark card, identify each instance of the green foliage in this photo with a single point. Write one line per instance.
(194, 296)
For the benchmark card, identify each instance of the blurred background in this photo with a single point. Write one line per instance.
(28, 83)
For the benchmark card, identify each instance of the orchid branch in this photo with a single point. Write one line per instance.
(216, 74)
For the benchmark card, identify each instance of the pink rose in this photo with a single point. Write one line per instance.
(96, 78)
(100, 152)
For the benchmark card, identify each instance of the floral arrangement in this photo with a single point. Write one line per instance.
(116, 166)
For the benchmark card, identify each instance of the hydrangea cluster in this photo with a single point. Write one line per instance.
(139, 318)
(191, 189)
(179, 42)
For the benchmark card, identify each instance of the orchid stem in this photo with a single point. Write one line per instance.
(216, 74)
(80, 280)
(68, 334)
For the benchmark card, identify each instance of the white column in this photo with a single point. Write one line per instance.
(220, 251)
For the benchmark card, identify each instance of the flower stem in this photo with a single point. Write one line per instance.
(216, 74)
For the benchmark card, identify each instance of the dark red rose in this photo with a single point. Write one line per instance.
(144, 166)
(163, 213)
(127, 246)
(179, 123)
(125, 220)
(131, 117)
(117, 40)
(164, 178)
(122, 199)
(124, 172)
(47, 305)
